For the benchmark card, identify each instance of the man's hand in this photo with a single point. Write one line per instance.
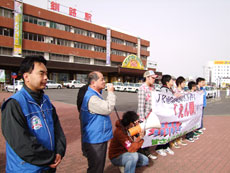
(56, 161)
(110, 87)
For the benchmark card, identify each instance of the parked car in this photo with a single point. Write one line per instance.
(157, 87)
(73, 84)
(16, 87)
(133, 87)
(118, 86)
(52, 84)
(210, 91)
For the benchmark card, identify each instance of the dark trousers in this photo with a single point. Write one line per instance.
(144, 151)
(189, 135)
(164, 146)
(96, 155)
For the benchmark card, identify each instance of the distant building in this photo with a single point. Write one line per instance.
(218, 73)
(72, 47)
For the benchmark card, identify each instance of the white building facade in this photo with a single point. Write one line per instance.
(218, 73)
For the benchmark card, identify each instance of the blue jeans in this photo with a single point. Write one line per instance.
(130, 161)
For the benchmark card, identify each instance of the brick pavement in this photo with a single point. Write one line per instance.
(211, 153)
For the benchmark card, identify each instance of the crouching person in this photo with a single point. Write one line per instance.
(123, 149)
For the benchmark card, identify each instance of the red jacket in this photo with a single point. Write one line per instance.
(121, 143)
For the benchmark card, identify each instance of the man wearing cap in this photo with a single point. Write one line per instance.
(145, 101)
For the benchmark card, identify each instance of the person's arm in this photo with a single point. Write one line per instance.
(125, 141)
(100, 106)
(141, 103)
(60, 140)
(17, 134)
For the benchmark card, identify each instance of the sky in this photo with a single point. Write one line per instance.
(184, 34)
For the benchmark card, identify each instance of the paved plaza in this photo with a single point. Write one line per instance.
(211, 153)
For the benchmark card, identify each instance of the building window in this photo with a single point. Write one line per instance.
(59, 26)
(34, 20)
(82, 60)
(80, 31)
(82, 46)
(58, 57)
(99, 62)
(6, 13)
(118, 52)
(29, 52)
(33, 37)
(6, 51)
(144, 57)
(115, 64)
(118, 41)
(144, 48)
(61, 42)
(6, 32)
(99, 49)
(131, 44)
(99, 36)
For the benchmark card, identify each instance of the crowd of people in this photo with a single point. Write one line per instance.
(35, 141)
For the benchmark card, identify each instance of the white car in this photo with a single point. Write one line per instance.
(52, 84)
(118, 86)
(16, 87)
(210, 92)
(133, 87)
(157, 87)
(73, 84)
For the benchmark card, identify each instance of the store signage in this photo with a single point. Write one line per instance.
(133, 61)
(222, 62)
(18, 10)
(73, 12)
(14, 75)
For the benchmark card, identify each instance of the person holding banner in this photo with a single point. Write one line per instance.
(167, 83)
(200, 87)
(123, 147)
(179, 91)
(145, 102)
(191, 135)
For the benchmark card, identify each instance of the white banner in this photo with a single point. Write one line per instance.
(178, 116)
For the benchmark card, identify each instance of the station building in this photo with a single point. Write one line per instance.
(72, 47)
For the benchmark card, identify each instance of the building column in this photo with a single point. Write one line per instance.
(71, 58)
(46, 56)
(91, 61)
(139, 47)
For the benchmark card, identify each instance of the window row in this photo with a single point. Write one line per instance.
(6, 32)
(57, 57)
(41, 22)
(6, 13)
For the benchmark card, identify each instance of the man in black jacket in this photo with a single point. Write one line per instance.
(35, 141)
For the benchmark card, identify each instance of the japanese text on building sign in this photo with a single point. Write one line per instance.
(73, 12)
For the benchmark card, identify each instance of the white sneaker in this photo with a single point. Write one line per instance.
(195, 138)
(190, 139)
(122, 169)
(168, 150)
(152, 157)
(161, 152)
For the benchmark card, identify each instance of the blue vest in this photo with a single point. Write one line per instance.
(95, 128)
(40, 123)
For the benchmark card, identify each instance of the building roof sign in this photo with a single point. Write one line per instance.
(70, 11)
(133, 61)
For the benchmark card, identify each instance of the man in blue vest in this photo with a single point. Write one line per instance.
(96, 123)
(35, 142)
